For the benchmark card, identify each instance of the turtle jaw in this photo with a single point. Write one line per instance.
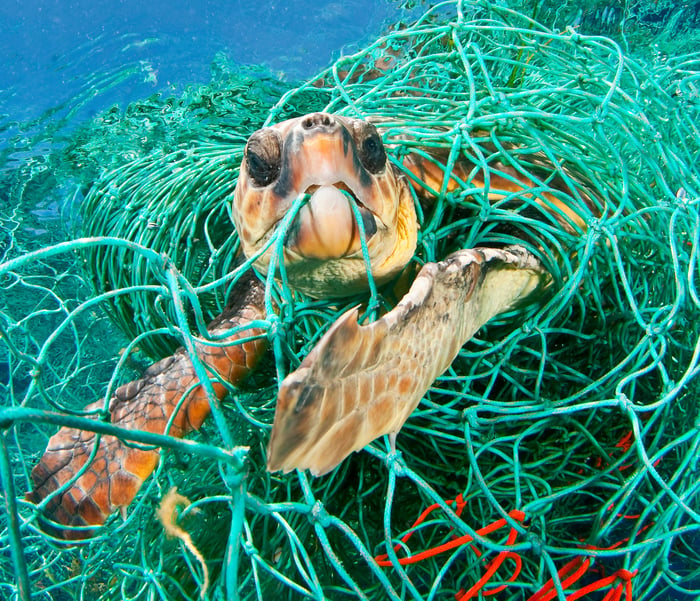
(326, 227)
(320, 157)
(322, 248)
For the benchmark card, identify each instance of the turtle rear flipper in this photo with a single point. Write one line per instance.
(363, 381)
(82, 478)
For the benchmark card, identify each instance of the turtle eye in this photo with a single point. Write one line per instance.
(371, 150)
(263, 155)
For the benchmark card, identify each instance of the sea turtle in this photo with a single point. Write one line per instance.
(360, 381)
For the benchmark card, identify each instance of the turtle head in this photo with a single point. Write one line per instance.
(333, 162)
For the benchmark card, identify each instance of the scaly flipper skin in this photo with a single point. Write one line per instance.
(117, 471)
(361, 382)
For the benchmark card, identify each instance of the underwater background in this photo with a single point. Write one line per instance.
(90, 86)
(66, 63)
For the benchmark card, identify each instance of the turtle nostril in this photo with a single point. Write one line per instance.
(317, 120)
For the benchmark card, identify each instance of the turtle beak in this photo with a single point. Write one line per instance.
(326, 227)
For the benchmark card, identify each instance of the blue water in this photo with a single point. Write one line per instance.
(64, 61)
(76, 58)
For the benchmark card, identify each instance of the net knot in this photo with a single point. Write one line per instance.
(234, 473)
(319, 515)
(654, 330)
(528, 327)
(429, 239)
(681, 199)
(599, 114)
(626, 403)
(574, 35)
(395, 463)
(485, 212)
(499, 98)
(595, 226)
(471, 418)
(598, 228)
(536, 545)
(249, 548)
(277, 326)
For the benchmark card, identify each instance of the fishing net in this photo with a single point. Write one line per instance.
(556, 458)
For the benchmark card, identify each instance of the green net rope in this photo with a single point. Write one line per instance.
(556, 458)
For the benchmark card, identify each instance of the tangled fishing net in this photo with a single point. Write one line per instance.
(556, 458)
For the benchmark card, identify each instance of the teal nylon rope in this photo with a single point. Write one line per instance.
(579, 410)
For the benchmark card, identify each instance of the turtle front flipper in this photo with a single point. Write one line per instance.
(170, 386)
(363, 381)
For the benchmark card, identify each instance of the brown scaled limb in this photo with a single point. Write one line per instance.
(363, 381)
(117, 471)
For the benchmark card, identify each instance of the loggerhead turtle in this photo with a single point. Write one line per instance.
(360, 381)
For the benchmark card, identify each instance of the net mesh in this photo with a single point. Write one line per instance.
(556, 458)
